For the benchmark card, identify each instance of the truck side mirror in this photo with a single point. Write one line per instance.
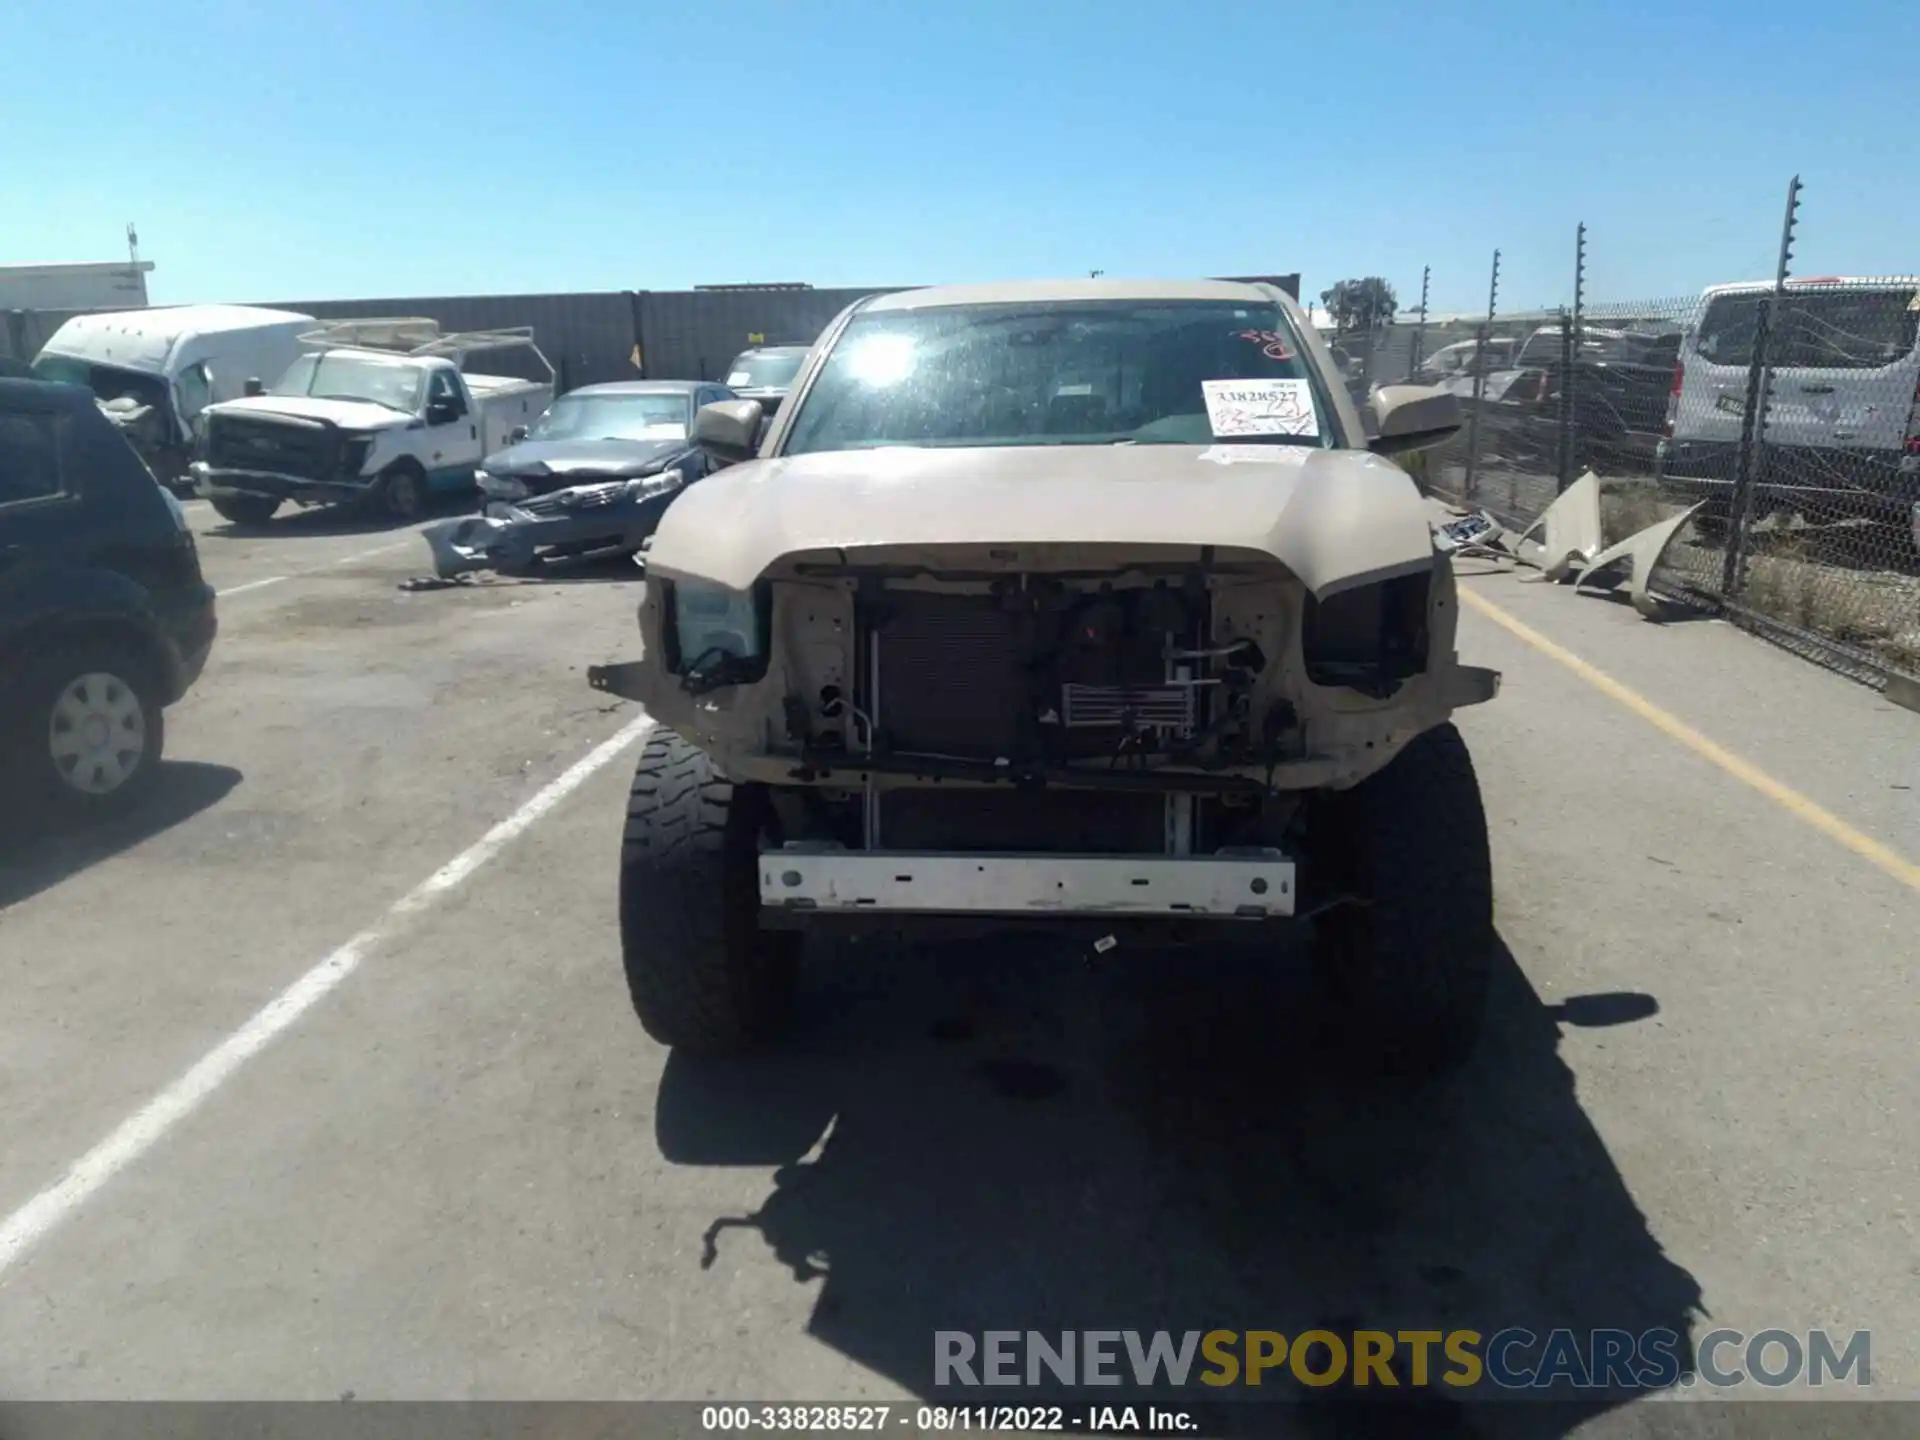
(728, 430)
(254, 386)
(1410, 417)
(516, 434)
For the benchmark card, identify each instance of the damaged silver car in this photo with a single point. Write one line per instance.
(1094, 606)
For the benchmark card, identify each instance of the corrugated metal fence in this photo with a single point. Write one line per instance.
(592, 336)
(588, 336)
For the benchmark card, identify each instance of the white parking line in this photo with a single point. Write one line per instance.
(144, 1129)
(314, 570)
(250, 585)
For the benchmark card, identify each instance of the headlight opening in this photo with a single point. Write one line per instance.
(715, 635)
(1371, 638)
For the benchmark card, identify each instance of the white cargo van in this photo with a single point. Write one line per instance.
(1843, 425)
(153, 371)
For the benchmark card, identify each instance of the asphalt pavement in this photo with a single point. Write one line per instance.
(320, 1078)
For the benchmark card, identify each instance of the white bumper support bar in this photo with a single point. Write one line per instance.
(1227, 885)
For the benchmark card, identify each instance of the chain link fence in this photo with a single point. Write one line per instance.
(1787, 410)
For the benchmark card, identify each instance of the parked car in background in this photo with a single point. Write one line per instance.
(105, 619)
(380, 415)
(155, 371)
(766, 374)
(1452, 367)
(1843, 424)
(596, 472)
(1618, 381)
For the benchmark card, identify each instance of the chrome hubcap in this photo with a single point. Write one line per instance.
(97, 734)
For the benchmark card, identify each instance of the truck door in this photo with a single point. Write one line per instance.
(453, 426)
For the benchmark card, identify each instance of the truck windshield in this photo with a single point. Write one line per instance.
(614, 417)
(1064, 373)
(392, 383)
(764, 371)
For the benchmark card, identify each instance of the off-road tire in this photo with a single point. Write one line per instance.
(402, 491)
(1409, 967)
(246, 509)
(27, 765)
(704, 977)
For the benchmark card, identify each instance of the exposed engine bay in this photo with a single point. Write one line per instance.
(962, 701)
(1038, 671)
(1147, 709)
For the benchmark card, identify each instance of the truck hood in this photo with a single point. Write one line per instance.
(1334, 518)
(347, 414)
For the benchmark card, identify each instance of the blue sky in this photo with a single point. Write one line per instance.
(344, 149)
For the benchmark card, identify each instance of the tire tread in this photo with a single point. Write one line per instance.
(702, 975)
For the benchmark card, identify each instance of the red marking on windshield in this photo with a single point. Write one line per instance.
(1272, 345)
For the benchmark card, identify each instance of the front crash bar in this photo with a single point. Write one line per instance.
(1243, 884)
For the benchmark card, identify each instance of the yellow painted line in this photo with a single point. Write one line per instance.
(1785, 796)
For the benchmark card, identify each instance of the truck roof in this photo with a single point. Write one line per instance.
(1042, 290)
(143, 339)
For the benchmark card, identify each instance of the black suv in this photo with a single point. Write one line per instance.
(105, 618)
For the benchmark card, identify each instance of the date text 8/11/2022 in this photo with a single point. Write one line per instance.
(785, 1419)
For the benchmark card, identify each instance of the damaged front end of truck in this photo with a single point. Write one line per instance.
(1089, 608)
(1170, 689)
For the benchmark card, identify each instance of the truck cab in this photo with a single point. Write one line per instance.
(154, 372)
(378, 414)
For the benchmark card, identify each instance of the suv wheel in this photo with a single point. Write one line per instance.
(703, 975)
(246, 509)
(86, 729)
(1411, 963)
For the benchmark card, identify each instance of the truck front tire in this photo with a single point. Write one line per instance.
(1410, 962)
(704, 977)
(245, 509)
(402, 491)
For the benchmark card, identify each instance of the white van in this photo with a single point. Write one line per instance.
(153, 371)
(1843, 425)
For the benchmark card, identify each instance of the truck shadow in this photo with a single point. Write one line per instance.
(34, 857)
(1013, 1140)
(323, 520)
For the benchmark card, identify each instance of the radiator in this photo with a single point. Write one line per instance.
(951, 682)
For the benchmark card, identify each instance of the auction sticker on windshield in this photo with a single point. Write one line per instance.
(1260, 407)
(739, 377)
